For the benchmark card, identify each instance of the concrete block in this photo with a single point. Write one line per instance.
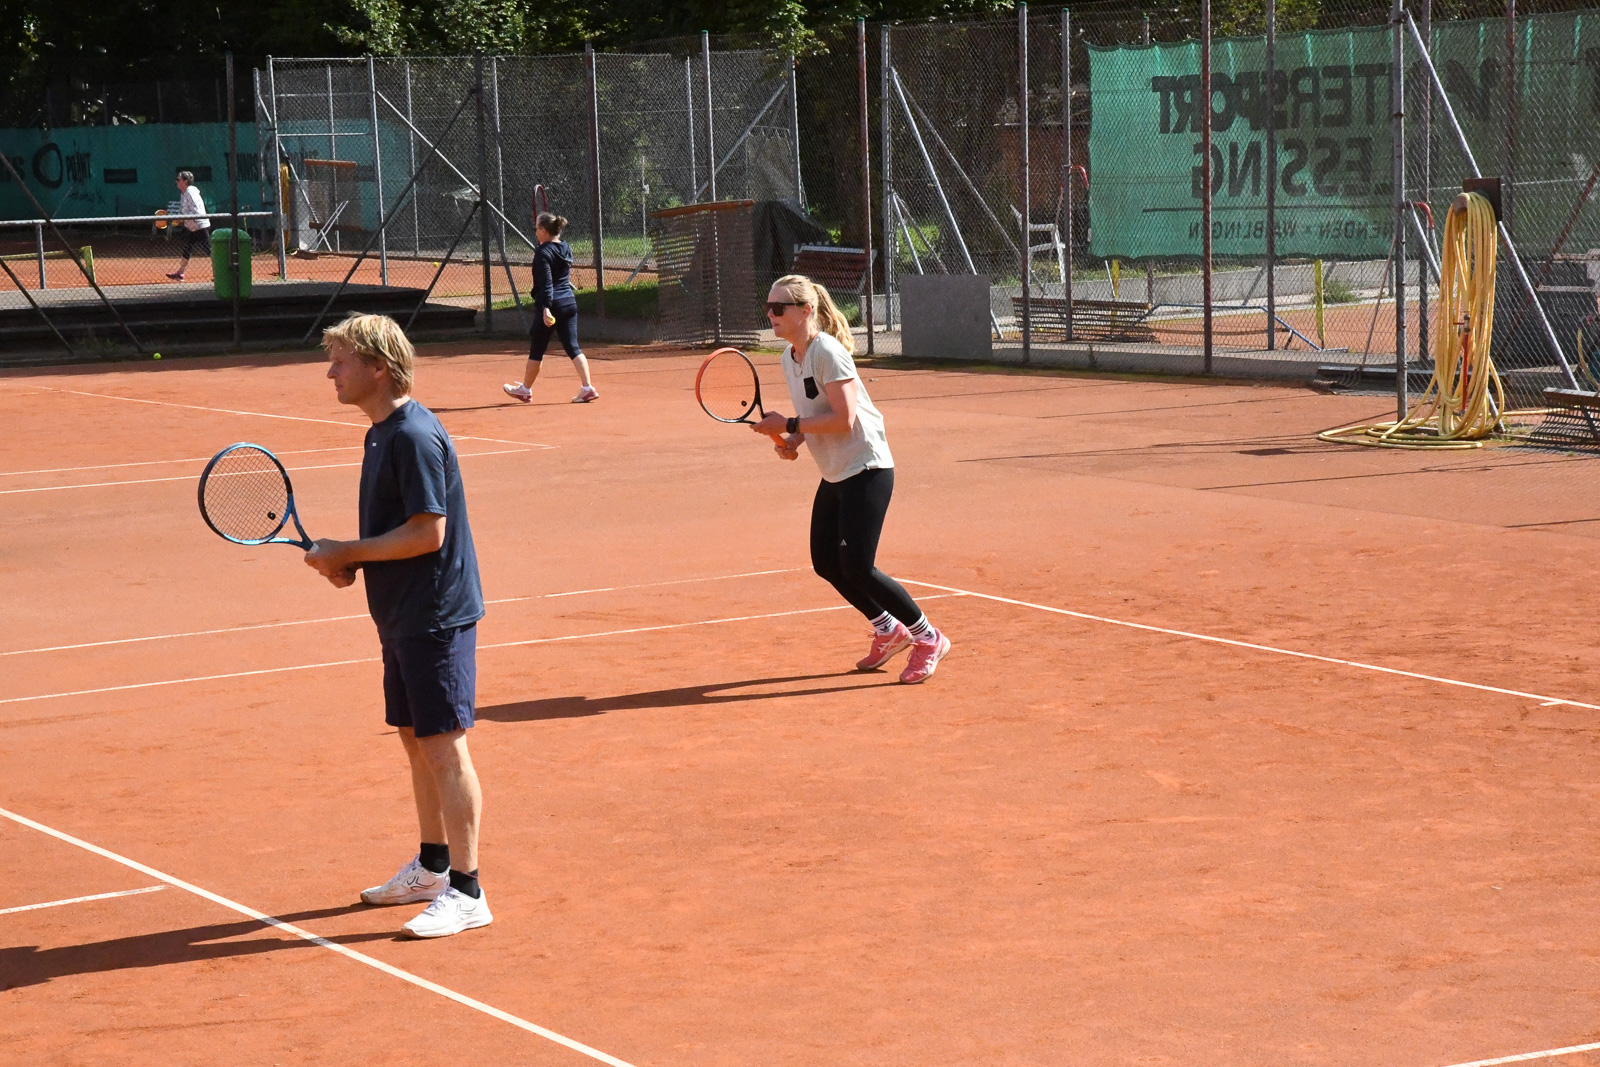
(945, 316)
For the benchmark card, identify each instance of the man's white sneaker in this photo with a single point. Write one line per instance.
(450, 913)
(413, 883)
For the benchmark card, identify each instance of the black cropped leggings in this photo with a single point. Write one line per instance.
(846, 522)
(565, 328)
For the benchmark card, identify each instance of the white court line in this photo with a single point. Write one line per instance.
(331, 946)
(160, 462)
(80, 900)
(364, 615)
(270, 415)
(1549, 701)
(190, 477)
(1526, 1056)
(377, 659)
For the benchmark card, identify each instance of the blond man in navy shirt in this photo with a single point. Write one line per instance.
(420, 570)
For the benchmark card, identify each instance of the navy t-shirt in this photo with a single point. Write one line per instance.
(409, 468)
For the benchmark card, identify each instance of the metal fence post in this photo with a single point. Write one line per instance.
(890, 249)
(1207, 176)
(1149, 268)
(1272, 173)
(1508, 187)
(280, 208)
(688, 96)
(411, 144)
(1067, 198)
(377, 170)
(1027, 199)
(866, 177)
(1424, 351)
(711, 115)
(483, 173)
(38, 241)
(233, 197)
(794, 130)
(333, 139)
(594, 183)
(499, 151)
(1397, 93)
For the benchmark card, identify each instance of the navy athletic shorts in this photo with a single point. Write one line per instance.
(430, 680)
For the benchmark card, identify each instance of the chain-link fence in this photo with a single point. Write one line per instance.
(604, 140)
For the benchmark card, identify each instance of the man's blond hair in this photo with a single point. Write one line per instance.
(379, 342)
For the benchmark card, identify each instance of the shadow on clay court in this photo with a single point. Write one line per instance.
(26, 965)
(682, 697)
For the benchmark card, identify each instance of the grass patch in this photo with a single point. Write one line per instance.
(636, 301)
(1337, 291)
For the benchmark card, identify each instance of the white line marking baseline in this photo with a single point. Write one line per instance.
(1549, 701)
(163, 462)
(377, 659)
(190, 477)
(306, 935)
(1526, 1056)
(269, 415)
(364, 615)
(80, 900)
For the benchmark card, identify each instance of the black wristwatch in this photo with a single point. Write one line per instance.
(792, 426)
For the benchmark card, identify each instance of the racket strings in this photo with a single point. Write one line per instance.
(728, 388)
(246, 496)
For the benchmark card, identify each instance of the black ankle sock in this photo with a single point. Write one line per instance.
(435, 858)
(465, 883)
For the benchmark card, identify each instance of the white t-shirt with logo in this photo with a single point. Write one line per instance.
(838, 455)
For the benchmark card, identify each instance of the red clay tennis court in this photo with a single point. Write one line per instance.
(1252, 749)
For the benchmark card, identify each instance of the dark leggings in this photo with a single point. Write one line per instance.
(196, 241)
(566, 328)
(846, 522)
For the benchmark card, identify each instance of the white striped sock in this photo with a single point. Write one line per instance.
(884, 624)
(922, 629)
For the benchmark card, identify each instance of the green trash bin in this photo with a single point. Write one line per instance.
(221, 274)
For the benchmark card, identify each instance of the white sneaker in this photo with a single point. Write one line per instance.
(518, 391)
(450, 913)
(411, 884)
(586, 394)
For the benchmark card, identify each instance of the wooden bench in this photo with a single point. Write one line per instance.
(839, 270)
(1092, 320)
(1572, 398)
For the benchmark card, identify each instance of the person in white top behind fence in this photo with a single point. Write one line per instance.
(196, 232)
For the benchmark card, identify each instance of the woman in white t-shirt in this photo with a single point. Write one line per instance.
(196, 232)
(844, 430)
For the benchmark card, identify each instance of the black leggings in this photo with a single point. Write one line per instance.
(846, 522)
(566, 328)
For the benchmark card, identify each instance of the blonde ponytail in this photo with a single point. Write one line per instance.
(830, 319)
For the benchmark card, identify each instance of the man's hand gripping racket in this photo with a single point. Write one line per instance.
(729, 390)
(246, 497)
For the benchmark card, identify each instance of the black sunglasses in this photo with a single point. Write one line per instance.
(775, 307)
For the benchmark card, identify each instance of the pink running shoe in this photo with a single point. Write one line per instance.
(176, 275)
(518, 391)
(586, 394)
(925, 657)
(885, 647)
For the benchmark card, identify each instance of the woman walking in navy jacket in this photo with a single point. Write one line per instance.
(555, 309)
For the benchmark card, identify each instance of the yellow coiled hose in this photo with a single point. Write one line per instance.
(1461, 406)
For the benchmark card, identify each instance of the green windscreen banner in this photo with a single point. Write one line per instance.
(1333, 168)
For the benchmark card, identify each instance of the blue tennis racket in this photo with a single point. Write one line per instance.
(246, 498)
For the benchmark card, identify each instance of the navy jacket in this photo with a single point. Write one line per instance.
(552, 276)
